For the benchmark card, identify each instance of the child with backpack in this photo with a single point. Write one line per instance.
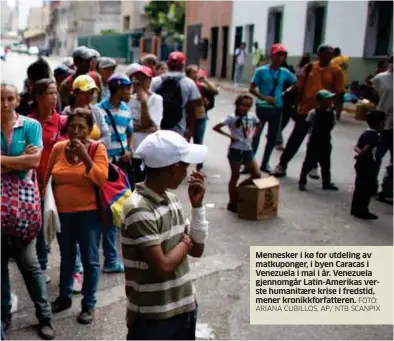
(243, 126)
(321, 121)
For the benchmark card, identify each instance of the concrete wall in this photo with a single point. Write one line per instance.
(135, 10)
(345, 27)
(38, 18)
(210, 14)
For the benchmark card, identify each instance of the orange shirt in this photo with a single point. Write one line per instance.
(74, 190)
(329, 78)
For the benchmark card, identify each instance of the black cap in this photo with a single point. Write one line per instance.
(62, 70)
(83, 52)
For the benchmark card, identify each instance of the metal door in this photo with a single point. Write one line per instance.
(193, 44)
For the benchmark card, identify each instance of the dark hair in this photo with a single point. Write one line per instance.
(241, 97)
(86, 114)
(157, 171)
(39, 88)
(190, 67)
(305, 59)
(175, 67)
(38, 70)
(374, 117)
(149, 59)
(113, 88)
(159, 65)
(238, 102)
(337, 52)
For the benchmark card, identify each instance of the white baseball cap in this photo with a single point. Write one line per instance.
(132, 68)
(165, 147)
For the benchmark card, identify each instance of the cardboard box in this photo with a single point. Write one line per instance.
(259, 200)
(362, 110)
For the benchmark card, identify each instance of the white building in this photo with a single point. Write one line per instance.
(361, 29)
(133, 15)
(85, 18)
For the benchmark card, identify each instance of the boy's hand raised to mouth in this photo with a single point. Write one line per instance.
(196, 189)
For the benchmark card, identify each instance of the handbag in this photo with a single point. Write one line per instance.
(51, 224)
(20, 206)
(112, 195)
(126, 167)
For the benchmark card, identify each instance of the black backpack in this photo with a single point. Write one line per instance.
(170, 90)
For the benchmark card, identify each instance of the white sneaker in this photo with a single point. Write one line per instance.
(77, 287)
(279, 171)
(47, 279)
(14, 303)
(314, 174)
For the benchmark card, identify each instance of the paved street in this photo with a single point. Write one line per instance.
(222, 275)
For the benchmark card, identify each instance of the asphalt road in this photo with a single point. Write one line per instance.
(315, 217)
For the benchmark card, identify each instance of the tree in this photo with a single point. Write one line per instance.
(107, 32)
(167, 18)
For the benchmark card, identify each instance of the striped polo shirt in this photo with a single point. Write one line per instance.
(153, 219)
(124, 125)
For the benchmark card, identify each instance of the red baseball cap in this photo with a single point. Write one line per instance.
(202, 73)
(277, 48)
(176, 57)
(147, 71)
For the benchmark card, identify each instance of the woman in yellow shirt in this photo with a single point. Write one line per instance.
(75, 177)
(84, 88)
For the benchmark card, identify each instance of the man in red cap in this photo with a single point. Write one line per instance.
(315, 77)
(147, 112)
(181, 98)
(267, 85)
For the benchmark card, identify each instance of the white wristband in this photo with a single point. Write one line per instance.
(199, 225)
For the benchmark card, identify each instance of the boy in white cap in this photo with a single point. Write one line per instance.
(157, 238)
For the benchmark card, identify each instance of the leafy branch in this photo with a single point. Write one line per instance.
(167, 18)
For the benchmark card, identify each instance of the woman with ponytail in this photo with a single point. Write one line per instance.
(243, 128)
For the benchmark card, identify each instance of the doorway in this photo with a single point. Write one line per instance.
(223, 72)
(193, 44)
(315, 26)
(214, 50)
(237, 42)
(274, 27)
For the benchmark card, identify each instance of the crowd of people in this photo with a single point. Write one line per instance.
(68, 128)
(141, 122)
(313, 95)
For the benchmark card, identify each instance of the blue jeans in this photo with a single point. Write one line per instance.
(41, 245)
(42, 250)
(78, 263)
(272, 116)
(110, 235)
(85, 229)
(25, 256)
(238, 72)
(109, 248)
(199, 132)
(178, 327)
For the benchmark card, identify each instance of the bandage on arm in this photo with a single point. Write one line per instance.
(198, 225)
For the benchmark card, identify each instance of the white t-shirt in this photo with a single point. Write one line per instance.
(240, 56)
(155, 107)
(241, 128)
(383, 83)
